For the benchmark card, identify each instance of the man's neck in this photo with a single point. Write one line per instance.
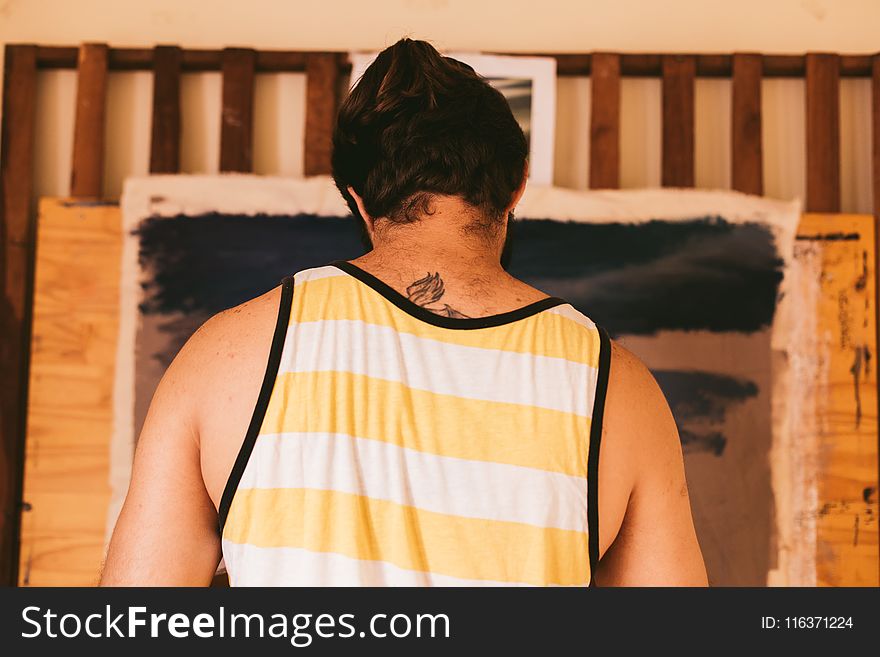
(446, 269)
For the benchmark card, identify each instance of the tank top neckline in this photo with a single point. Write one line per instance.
(417, 311)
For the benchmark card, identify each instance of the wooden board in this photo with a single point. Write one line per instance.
(847, 513)
(70, 405)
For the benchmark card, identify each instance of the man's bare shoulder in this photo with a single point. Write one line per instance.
(630, 372)
(221, 369)
(637, 418)
(235, 327)
(233, 346)
(646, 532)
(638, 437)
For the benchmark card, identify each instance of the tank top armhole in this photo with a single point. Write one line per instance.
(593, 454)
(247, 446)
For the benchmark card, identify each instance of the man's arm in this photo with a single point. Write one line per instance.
(166, 534)
(640, 452)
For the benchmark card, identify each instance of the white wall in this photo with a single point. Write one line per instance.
(781, 26)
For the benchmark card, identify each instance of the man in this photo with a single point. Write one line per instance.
(416, 416)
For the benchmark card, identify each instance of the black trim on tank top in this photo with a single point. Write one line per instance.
(593, 455)
(244, 454)
(414, 309)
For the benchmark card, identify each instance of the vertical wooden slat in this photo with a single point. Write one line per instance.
(747, 162)
(678, 120)
(322, 83)
(605, 121)
(237, 122)
(17, 231)
(87, 171)
(165, 140)
(823, 132)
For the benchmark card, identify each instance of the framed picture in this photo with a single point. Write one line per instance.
(528, 83)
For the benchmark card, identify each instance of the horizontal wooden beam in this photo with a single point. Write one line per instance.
(143, 59)
(568, 64)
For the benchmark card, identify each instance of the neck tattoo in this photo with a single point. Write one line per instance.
(427, 292)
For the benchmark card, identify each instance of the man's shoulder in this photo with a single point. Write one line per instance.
(229, 351)
(638, 426)
(634, 401)
(629, 374)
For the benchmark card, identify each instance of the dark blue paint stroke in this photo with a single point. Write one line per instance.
(700, 402)
(631, 278)
(207, 263)
(704, 274)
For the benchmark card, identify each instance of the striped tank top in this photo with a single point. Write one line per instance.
(391, 446)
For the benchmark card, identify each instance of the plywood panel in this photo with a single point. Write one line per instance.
(846, 463)
(70, 419)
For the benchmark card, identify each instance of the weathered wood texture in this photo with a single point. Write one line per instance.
(875, 176)
(846, 460)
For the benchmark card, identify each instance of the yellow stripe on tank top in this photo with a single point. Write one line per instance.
(445, 425)
(377, 530)
(345, 297)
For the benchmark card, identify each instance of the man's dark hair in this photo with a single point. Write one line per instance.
(418, 124)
